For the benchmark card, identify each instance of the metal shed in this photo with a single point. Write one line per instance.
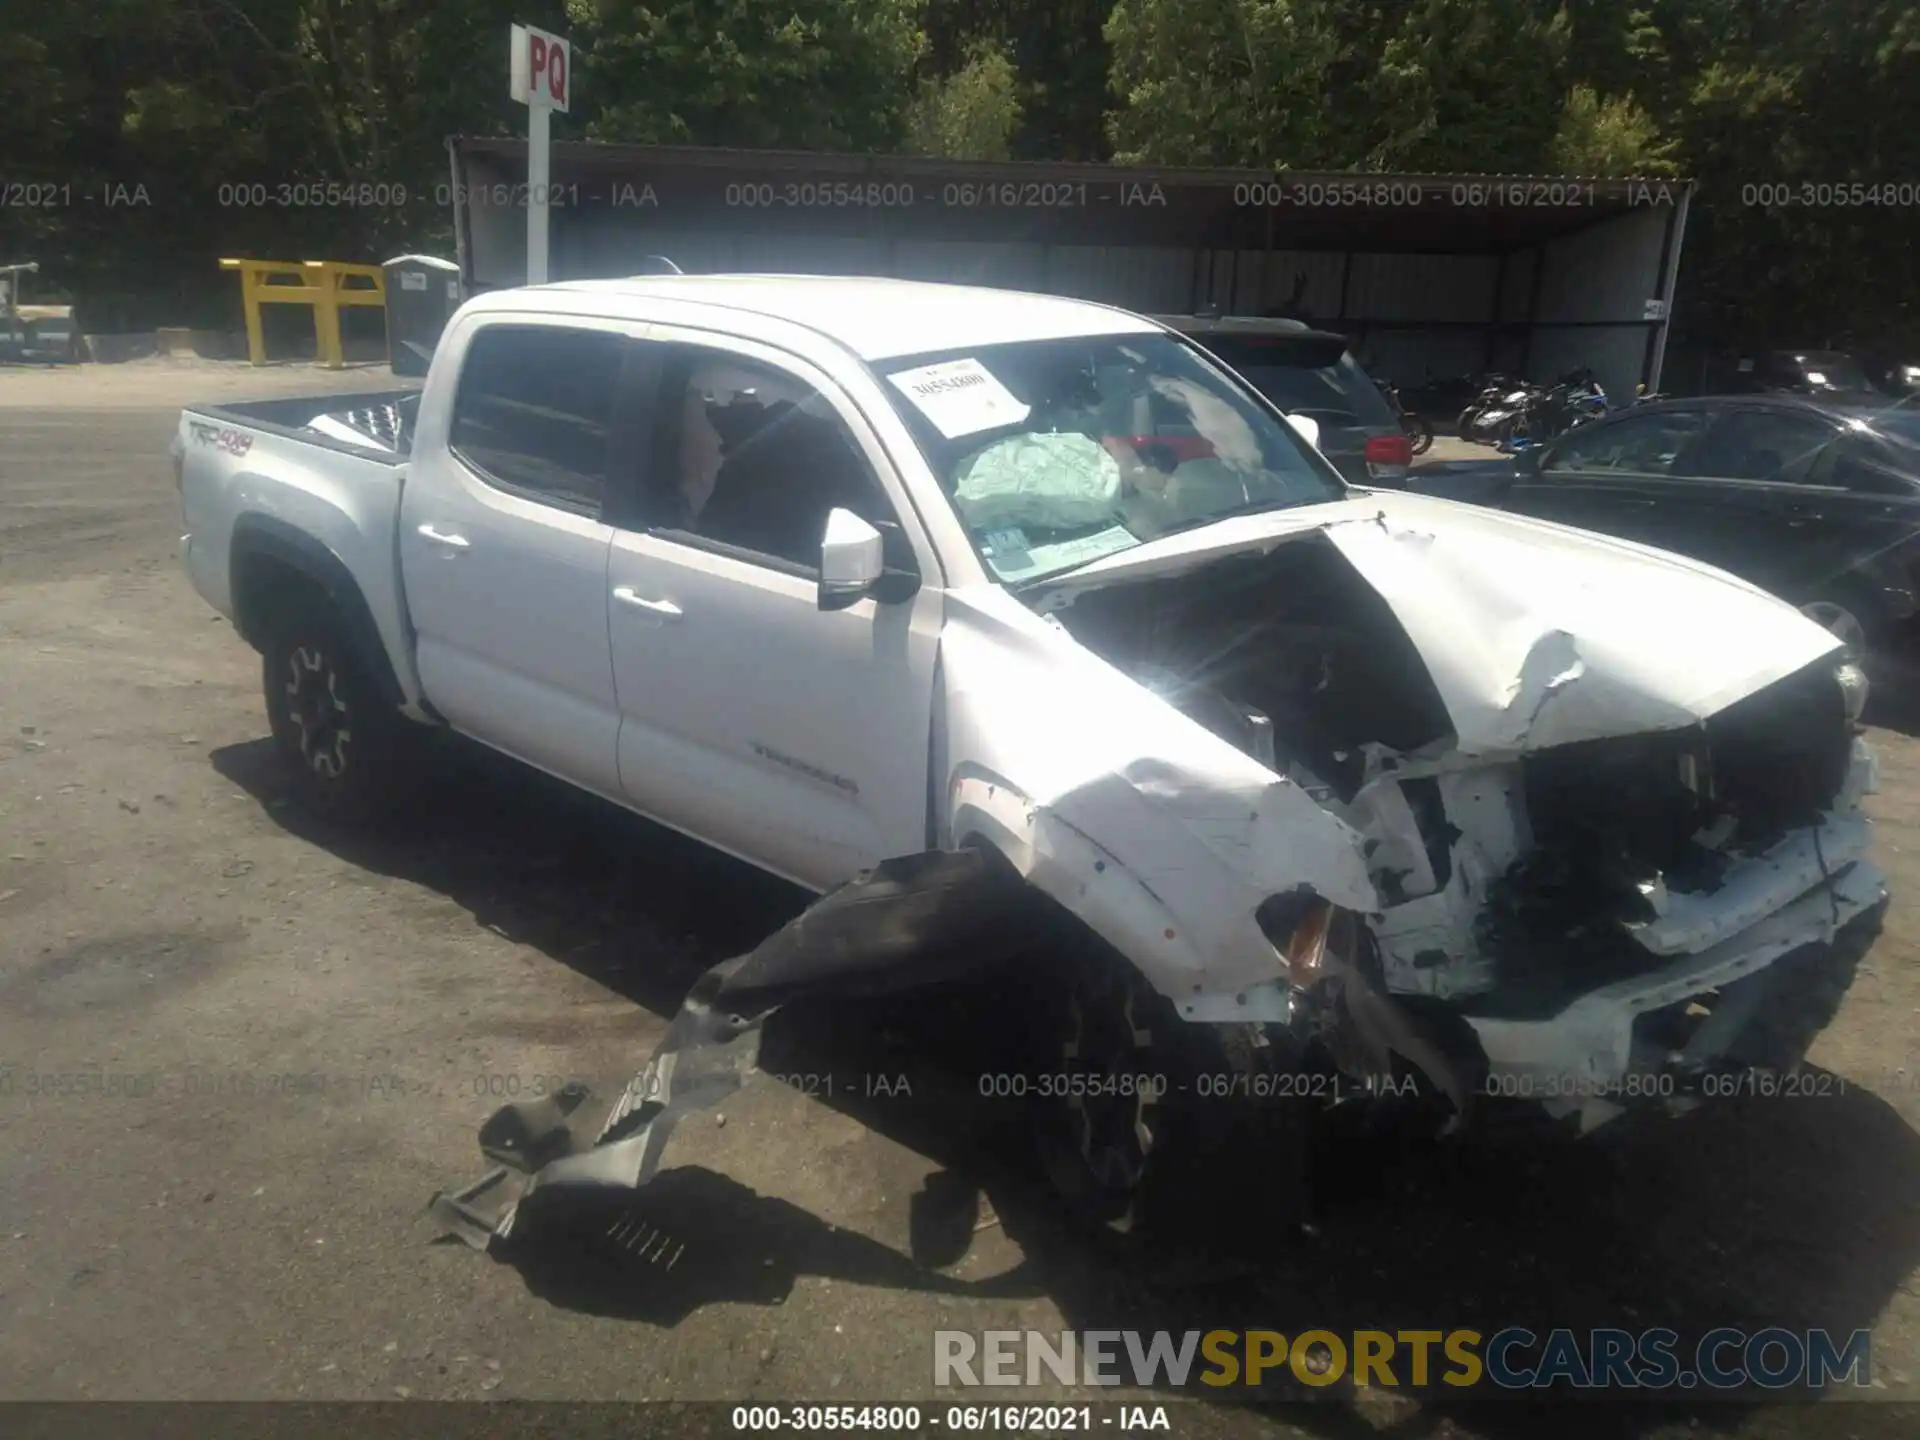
(1433, 275)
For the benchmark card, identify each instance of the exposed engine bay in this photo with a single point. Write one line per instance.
(1513, 886)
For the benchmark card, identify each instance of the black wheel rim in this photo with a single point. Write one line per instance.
(317, 712)
(1110, 1127)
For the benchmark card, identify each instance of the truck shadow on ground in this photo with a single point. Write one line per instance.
(1793, 1213)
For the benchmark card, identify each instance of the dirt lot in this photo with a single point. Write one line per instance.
(225, 1232)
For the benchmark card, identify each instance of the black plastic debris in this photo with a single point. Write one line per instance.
(918, 920)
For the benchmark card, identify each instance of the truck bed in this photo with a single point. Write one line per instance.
(373, 420)
(330, 495)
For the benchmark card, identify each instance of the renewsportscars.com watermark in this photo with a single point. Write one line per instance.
(1509, 1359)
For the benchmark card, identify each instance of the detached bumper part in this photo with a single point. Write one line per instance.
(911, 922)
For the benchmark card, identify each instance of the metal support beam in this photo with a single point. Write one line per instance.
(1668, 282)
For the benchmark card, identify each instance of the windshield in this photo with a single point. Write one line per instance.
(1055, 453)
(1334, 391)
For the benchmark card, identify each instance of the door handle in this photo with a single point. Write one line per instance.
(666, 609)
(451, 541)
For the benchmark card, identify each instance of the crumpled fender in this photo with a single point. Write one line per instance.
(1163, 837)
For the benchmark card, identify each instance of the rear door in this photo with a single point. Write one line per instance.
(504, 550)
(1610, 476)
(1743, 497)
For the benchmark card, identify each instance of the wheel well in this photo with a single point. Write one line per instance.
(268, 591)
(275, 580)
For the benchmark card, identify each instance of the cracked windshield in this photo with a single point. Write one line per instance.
(1058, 453)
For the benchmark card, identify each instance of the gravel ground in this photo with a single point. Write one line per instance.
(314, 1030)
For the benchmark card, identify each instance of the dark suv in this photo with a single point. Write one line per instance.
(1309, 372)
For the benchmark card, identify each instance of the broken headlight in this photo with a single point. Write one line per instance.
(1853, 688)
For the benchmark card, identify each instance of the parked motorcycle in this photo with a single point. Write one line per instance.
(1575, 399)
(1419, 429)
(1488, 418)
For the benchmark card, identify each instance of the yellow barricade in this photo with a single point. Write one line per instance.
(326, 285)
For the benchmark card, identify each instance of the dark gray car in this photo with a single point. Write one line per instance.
(1309, 372)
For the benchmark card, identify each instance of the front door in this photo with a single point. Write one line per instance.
(1604, 476)
(793, 736)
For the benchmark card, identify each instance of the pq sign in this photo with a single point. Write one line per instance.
(539, 68)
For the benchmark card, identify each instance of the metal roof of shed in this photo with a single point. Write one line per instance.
(701, 187)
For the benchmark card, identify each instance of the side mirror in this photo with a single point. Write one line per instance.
(1307, 427)
(852, 559)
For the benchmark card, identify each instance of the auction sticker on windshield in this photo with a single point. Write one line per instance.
(960, 397)
(1046, 559)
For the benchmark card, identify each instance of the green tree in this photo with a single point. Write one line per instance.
(1614, 136)
(808, 74)
(1469, 85)
(972, 114)
(1060, 63)
(1219, 82)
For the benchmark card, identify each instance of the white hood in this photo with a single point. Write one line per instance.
(1535, 634)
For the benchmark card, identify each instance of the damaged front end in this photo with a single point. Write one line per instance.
(1592, 885)
(1397, 789)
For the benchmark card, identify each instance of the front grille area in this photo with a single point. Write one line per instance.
(1615, 818)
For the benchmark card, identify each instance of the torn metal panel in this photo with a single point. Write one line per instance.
(1162, 836)
(908, 923)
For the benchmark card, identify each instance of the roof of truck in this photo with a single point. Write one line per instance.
(879, 319)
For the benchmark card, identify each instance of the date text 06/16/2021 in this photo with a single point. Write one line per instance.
(1004, 1419)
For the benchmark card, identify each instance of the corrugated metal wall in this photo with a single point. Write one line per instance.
(1606, 273)
(1418, 316)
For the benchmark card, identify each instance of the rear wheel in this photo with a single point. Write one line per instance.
(346, 749)
(1420, 433)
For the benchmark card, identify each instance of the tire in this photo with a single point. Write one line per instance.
(1203, 1146)
(345, 748)
(1469, 418)
(1420, 433)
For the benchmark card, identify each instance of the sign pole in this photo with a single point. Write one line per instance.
(539, 68)
(539, 153)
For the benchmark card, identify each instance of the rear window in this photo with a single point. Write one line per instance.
(1308, 377)
(533, 411)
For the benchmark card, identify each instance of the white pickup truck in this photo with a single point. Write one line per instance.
(824, 571)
